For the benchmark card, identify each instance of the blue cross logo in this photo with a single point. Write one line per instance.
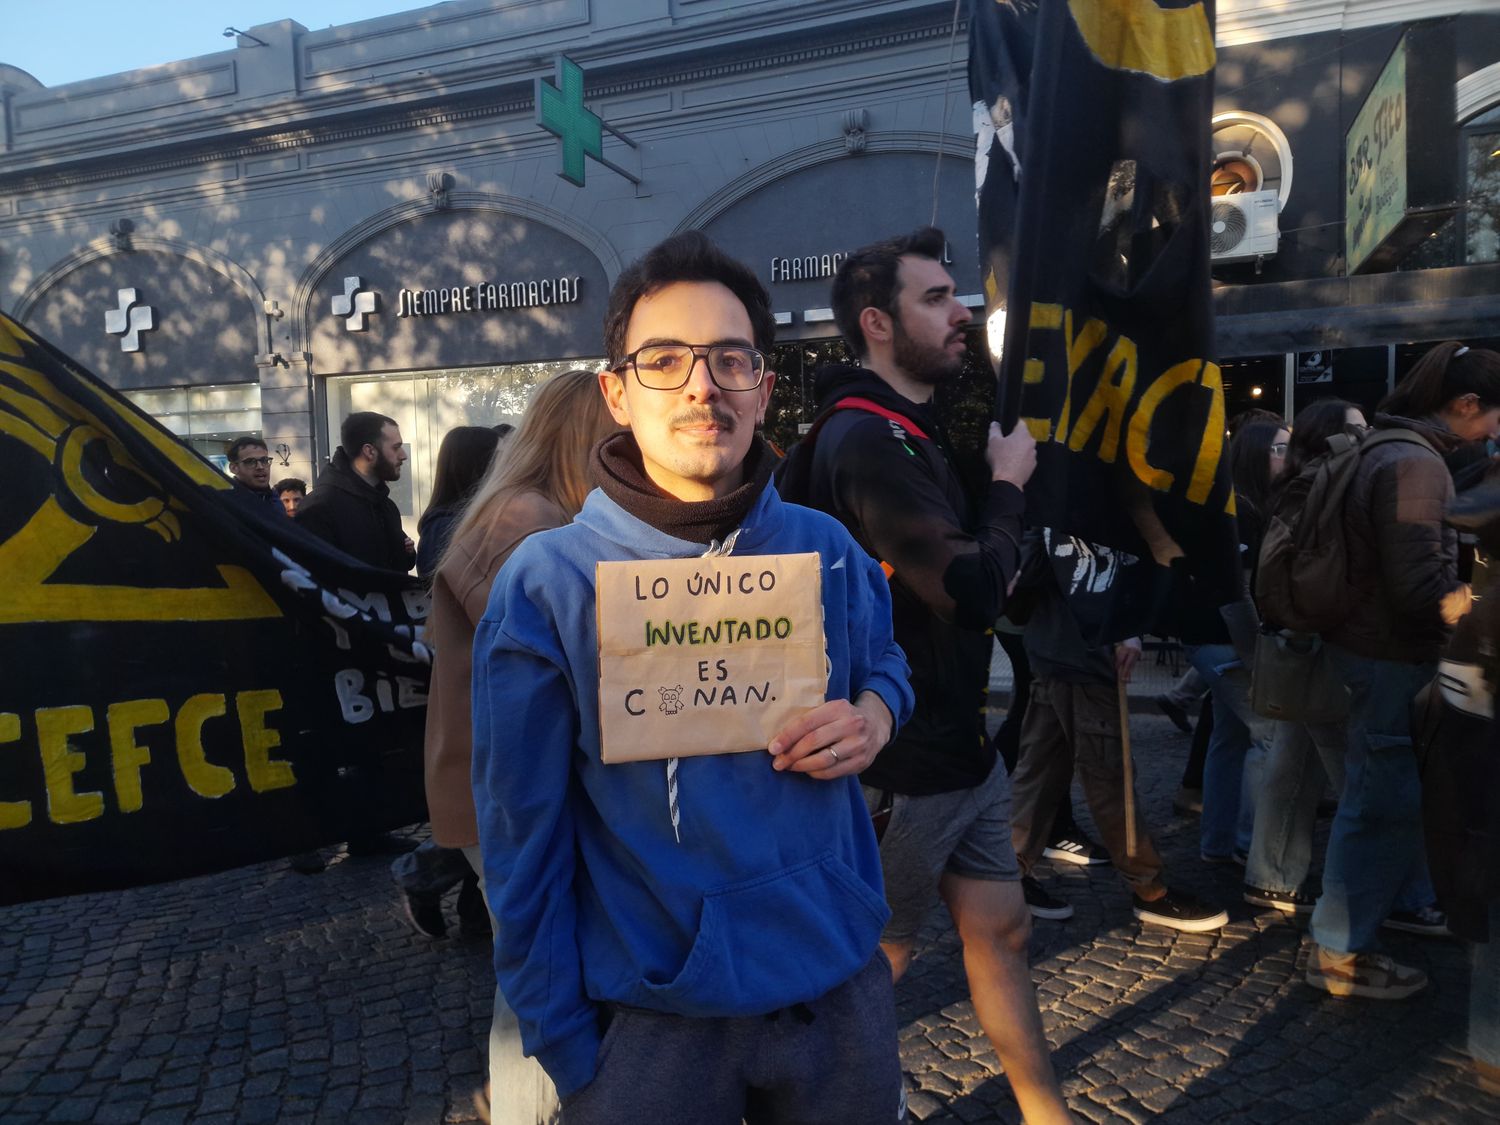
(560, 111)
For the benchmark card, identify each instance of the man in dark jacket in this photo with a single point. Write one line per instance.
(352, 506)
(250, 466)
(878, 460)
(352, 509)
(1073, 725)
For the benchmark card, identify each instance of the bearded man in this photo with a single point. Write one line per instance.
(352, 506)
(878, 460)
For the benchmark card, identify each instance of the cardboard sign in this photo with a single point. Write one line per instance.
(707, 655)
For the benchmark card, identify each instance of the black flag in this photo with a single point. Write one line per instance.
(190, 682)
(1093, 163)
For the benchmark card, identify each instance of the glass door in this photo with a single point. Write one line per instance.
(427, 404)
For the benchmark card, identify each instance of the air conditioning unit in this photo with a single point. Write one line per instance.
(1242, 228)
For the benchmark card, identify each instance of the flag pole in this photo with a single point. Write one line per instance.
(1120, 684)
(1047, 55)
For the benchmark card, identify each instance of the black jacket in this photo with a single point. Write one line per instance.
(900, 498)
(358, 518)
(263, 502)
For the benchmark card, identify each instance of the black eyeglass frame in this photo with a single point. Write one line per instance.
(264, 462)
(700, 351)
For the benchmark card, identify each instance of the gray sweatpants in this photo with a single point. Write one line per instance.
(832, 1061)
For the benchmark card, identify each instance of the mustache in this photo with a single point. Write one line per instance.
(703, 416)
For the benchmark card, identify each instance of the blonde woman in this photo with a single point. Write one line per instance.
(538, 481)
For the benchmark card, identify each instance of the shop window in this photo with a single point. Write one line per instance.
(793, 402)
(206, 418)
(427, 404)
(1481, 155)
(1254, 383)
(965, 404)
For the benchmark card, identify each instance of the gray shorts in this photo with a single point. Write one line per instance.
(966, 832)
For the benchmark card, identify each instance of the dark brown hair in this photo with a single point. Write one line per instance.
(1448, 371)
(868, 279)
(240, 444)
(462, 460)
(689, 256)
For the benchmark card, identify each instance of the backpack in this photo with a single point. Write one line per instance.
(793, 474)
(1302, 582)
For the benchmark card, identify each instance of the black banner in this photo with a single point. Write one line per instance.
(188, 681)
(1094, 162)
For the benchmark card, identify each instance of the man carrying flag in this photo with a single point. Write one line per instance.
(1092, 164)
(878, 460)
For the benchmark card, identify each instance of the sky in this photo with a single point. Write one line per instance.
(59, 41)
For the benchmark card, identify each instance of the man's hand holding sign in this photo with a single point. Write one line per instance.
(835, 738)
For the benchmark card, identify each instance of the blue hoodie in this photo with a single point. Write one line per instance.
(773, 897)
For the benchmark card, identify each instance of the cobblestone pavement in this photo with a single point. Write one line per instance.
(263, 995)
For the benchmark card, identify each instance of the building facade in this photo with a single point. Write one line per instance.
(370, 216)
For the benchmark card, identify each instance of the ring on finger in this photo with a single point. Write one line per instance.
(834, 752)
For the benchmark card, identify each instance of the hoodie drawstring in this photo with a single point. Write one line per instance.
(674, 808)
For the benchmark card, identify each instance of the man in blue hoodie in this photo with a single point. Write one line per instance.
(693, 940)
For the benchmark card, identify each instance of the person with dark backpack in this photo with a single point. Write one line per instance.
(1386, 619)
(1305, 756)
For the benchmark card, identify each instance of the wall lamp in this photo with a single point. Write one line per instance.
(231, 32)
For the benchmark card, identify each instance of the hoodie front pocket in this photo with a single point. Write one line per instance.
(775, 940)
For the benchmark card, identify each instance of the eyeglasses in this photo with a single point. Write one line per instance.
(1278, 449)
(261, 462)
(667, 367)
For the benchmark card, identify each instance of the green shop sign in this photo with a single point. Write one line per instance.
(1375, 155)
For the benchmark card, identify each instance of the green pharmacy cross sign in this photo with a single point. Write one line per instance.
(560, 111)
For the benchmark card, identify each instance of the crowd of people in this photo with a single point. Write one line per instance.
(715, 937)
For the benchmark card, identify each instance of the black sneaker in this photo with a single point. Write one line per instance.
(1076, 848)
(473, 915)
(425, 912)
(1235, 858)
(1178, 716)
(1288, 902)
(1179, 910)
(306, 863)
(378, 843)
(1043, 905)
(1429, 922)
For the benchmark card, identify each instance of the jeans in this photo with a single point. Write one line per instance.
(1375, 848)
(1236, 752)
(1188, 690)
(1302, 756)
(1484, 996)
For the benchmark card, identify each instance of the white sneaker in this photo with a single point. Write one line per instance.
(1078, 849)
(1371, 975)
